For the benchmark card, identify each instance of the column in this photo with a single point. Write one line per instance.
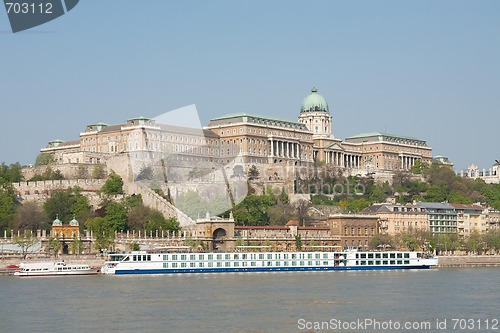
(272, 148)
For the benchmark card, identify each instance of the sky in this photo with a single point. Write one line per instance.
(427, 69)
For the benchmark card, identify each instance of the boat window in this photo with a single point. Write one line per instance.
(407, 255)
(294, 256)
(139, 258)
(317, 263)
(393, 255)
(309, 256)
(165, 265)
(192, 264)
(201, 264)
(183, 257)
(261, 256)
(268, 263)
(174, 257)
(407, 262)
(183, 264)
(363, 255)
(148, 257)
(192, 257)
(400, 255)
(385, 255)
(219, 256)
(377, 262)
(400, 262)
(277, 263)
(301, 263)
(419, 255)
(318, 256)
(385, 262)
(236, 256)
(236, 264)
(227, 256)
(219, 264)
(244, 264)
(174, 265)
(252, 263)
(393, 262)
(363, 262)
(201, 257)
(127, 258)
(310, 263)
(135, 258)
(210, 264)
(210, 257)
(269, 256)
(243, 256)
(164, 257)
(378, 255)
(227, 263)
(370, 255)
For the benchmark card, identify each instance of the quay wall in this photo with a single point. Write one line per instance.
(469, 261)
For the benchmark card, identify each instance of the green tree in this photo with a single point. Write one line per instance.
(67, 204)
(134, 246)
(253, 173)
(76, 246)
(98, 172)
(102, 232)
(382, 241)
(116, 216)
(55, 245)
(7, 205)
(113, 185)
(298, 243)
(44, 159)
(25, 243)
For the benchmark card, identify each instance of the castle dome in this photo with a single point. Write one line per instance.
(314, 102)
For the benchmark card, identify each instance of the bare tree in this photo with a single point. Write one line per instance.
(301, 207)
(29, 216)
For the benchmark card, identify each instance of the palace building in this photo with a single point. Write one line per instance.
(248, 139)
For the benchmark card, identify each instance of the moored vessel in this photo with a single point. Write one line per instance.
(59, 268)
(152, 262)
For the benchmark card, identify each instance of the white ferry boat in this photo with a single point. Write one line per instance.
(59, 268)
(143, 262)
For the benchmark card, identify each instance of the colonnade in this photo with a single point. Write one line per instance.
(285, 149)
(343, 159)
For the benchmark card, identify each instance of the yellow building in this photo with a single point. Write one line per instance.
(395, 219)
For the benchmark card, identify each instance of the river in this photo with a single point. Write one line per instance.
(256, 302)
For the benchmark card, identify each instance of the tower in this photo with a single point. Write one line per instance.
(315, 115)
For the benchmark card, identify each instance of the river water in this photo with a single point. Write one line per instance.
(256, 302)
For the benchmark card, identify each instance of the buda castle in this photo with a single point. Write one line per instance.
(248, 139)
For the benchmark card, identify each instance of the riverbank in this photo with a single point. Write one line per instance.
(469, 261)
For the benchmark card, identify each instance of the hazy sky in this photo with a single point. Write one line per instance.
(428, 69)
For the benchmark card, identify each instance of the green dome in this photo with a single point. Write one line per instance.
(57, 222)
(314, 102)
(74, 222)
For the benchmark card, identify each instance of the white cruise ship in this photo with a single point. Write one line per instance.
(145, 262)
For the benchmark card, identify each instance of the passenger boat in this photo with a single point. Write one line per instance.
(149, 262)
(59, 268)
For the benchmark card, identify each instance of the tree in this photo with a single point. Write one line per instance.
(102, 231)
(48, 174)
(44, 159)
(383, 241)
(113, 185)
(7, 205)
(55, 245)
(419, 167)
(298, 243)
(146, 173)
(67, 205)
(76, 246)
(25, 243)
(98, 172)
(10, 174)
(134, 246)
(238, 171)
(301, 208)
(253, 173)
(30, 216)
(116, 216)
